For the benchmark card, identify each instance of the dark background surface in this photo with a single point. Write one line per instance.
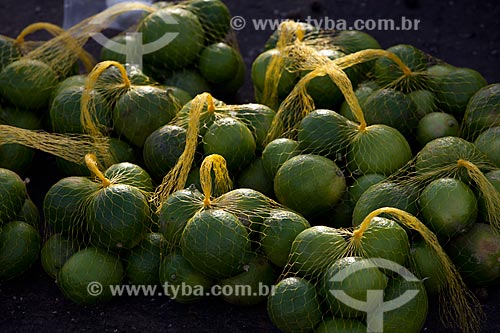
(463, 33)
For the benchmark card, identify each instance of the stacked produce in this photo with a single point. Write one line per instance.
(357, 170)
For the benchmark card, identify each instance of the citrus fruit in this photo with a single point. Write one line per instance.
(341, 325)
(189, 80)
(410, 316)
(362, 183)
(476, 254)
(179, 96)
(231, 139)
(218, 63)
(392, 108)
(448, 207)
(55, 252)
(428, 268)
(163, 148)
(214, 17)
(180, 281)
(315, 248)
(140, 111)
(350, 41)
(278, 152)
(386, 71)
(143, 262)
(308, 29)
(294, 305)
(385, 194)
(129, 174)
(436, 125)
(8, 51)
(385, 238)
(494, 178)
(378, 149)
(351, 277)
(278, 232)
(177, 23)
(65, 111)
(27, 83)
(255, 177)
(309, 184)
(488, 142)
(425, 102)
(109, 53)
(87, 276)
(229, 88)
(216, 243)
(250, 287)
(12, 195)
(176, 211)
(362, 92)
(19, 248)
(455, 87)
(117, 216)
(64, 203)
(481, 111)
(29, 213)
(207, 115)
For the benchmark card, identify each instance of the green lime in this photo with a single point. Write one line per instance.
(231, 139)
(19, 248)
(351, 278)
(362, 92)
(143, 262)
(189, 80)
(108, 52)
(428, 267)
(386, 71)
(350, 41)
(481, 111)
(141, 111)
(214, 17)
(494, 178)
(488, 142)
(255, 177)
(27, 83)
(294, 306)
(55, 252)
(179, 96)
(341, 325)
(12, 195)
(362, 183)
(278, 232)
(448, 218)
(252, 286)
(177, 23)
(425, 102)
(180, 281)
(309, 184)
(315, 248)
(216, 243)
(117, 216)
(385, 194)
(378, 149)
(477, 255)
(278, 152)
(308, 29)
(88, 275)
(218, 63)
(230, 88)
(436, 125)
(129, 174)
(29, 213)
(8, 51)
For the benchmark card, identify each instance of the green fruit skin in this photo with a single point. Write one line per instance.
(477, 255)
(129, 174)
(27, 83)
(278, 152)
(309, 184)
(216, 243)
(378, 149)
(231, 87)
(341, 325)
(425, 102)
(258, 273)
(176, 211)
(448, 207)
(141, 111)
(12, 195)
(256, 178)
(55, 252)
(436, 125)
(386, 239)
(355, 284)
(362, 92)
(481, 112)
(88, 266)
(64, 203)
(189, 80)
(494, 179)
(361, 184)
(162, 149)
(218, 63)
(118, 216)
(184, 48)
(214, 17)
(19, 248)
(488, 142)
(29, 213)
(176, 273)
(294, 306)
(278, 232)
(386, 71)
(231, 139)
(411, 316)
(143, 262)
(8, 51)
(428, 268)
(313, 249)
